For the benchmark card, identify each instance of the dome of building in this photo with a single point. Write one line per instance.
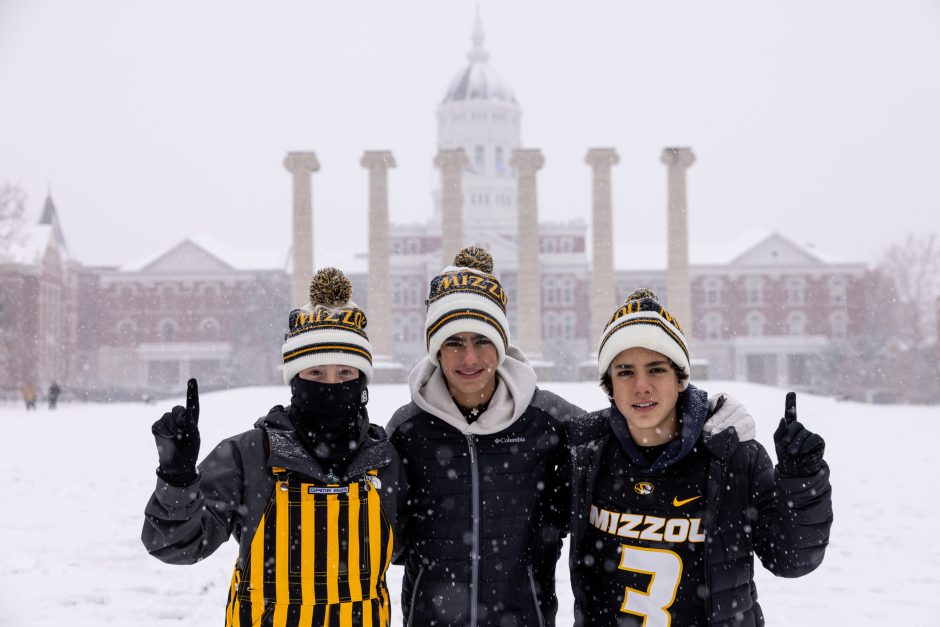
(478, 80)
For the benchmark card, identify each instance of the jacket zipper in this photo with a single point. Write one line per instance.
(535, 597)
(414, 594)
(709, 529)
(364, 562)
(475, 541)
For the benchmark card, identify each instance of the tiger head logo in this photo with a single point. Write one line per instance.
(643, 487)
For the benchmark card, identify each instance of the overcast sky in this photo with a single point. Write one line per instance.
(152, 121)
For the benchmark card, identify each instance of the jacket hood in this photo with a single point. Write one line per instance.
(692, 407)
(515, 386)
(287, 451)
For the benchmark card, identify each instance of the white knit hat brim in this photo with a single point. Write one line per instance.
(463, 312)
(322, 347)
(643, 330)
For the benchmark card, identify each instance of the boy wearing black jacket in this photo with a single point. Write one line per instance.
(668, 517)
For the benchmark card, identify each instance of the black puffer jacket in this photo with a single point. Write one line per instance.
(750, 508)
(186, 524)
(486, 515)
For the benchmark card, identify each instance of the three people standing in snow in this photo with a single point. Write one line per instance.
(312, 493)
(482, 476)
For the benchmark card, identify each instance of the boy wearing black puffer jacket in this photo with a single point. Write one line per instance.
(667, 516)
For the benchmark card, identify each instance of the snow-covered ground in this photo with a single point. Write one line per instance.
(73, 484)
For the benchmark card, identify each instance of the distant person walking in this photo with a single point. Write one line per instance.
(54, 391)
(30, 393)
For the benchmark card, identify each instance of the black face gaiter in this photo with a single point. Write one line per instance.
(331, 419)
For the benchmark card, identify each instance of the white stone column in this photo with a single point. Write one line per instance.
(302, 165)
(679, 297)
(603, 290)
(528, 277)
(379, 306)
(451, 163)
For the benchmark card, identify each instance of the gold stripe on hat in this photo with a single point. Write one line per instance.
(653, 321)
(328, 348)
(466, 313)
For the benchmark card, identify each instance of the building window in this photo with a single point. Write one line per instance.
(126, 331)
(209, 369)
(796, 323)
(550, 245)
(839, 323)
(209, 327)
(166, 330)
(479, 155)
(798, 371)
(498, 160)
(567, 323)
(755, 324)
(168, 296)
(713, 291)
(796, 291)
(567, 292)
(836, 291)
(396, 293)
(548, 295)
(566, 245)
(713, 324)
(163, 373)
(549, 325)
(415, 328)
(209, 292)
(755, 291)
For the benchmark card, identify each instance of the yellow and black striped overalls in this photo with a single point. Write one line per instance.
(318, 557)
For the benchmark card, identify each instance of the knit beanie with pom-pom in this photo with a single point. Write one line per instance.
(329, 330)
(466, 298)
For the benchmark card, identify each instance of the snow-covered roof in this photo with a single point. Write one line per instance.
(238, 259)
(732, 251)
(29, 246)
(348, 260)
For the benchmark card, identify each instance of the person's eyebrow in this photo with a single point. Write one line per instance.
(660, 362)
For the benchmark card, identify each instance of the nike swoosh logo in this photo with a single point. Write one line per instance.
(677, 503)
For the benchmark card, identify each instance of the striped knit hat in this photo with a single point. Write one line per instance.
(330, 330)
(466, 298)
(642, 322)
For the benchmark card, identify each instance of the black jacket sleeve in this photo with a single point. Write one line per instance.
(183, 525)
(793, 517)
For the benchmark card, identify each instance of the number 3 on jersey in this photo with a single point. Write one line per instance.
(665, 570)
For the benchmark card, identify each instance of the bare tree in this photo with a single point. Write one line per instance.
(914, 267)
(12, 209)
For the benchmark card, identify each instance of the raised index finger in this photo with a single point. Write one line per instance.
(192, 398)
(789, 413)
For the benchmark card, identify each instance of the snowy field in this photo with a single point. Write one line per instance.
(75, 481)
